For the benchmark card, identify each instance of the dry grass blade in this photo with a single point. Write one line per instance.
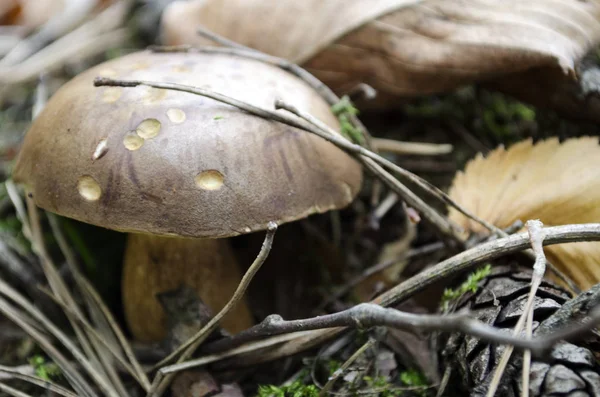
(12, 391)
(62, 293)
(98, 338)
(72, 374)
(104, 345)
(91, 38)
(13, 194)
(95, 303)
(36, 380)
(124, 343)
(90, 362)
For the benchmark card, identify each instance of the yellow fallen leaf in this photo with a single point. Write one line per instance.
(557, 183)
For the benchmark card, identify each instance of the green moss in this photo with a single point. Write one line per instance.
(413, 378)
(471, 284)
(295, 389)
(344, 110)
(43, 369)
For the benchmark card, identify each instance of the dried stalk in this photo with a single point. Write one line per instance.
(72, 374)
(36, 380)
(536, 236)
(95, 304)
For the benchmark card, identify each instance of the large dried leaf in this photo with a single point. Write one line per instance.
(558, 183)
(401, 47)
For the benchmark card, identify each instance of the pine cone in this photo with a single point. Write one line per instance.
(569, 370)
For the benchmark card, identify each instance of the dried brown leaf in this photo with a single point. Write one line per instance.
(558, 183)
(400, 47)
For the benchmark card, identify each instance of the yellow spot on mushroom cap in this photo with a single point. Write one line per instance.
(88, 188)
(177, 116)
(148, 128)
(209, 180)
(132, 141)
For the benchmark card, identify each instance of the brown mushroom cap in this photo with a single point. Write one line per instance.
(171, 163)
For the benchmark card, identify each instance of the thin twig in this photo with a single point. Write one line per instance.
(15, 198)
(450, 267)
(317, 128)
(411, 148)
(536, 236)
(374, 163)
(366, 315)
(326, 93)
(184, 351)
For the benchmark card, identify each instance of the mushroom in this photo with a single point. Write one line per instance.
(179, 172)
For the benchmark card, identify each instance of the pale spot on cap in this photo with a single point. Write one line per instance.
(133, 141)
(177, 116)
(101, 149)
(111, 94)
(88, 188)
(148, 128)
(209, 180)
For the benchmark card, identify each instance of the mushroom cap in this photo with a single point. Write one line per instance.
(172, 163)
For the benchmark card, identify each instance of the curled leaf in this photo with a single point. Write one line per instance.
(400, 47)
(557, 183)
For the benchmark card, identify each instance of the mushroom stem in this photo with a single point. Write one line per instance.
(155, 264)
